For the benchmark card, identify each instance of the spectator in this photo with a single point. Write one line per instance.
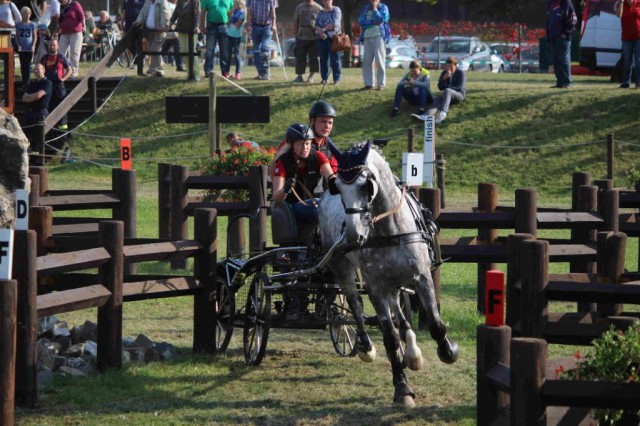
(236, 28)
(88, 41)
(38, 8)
(304, 26)
(374, 20)
(58, 70)
(215, 13)
(171, 43)
(414, 87)
(103, 27)
(71, 26)
(629, 13)
(36, 95)
(561, 23)
(42, 44)
(234, 141)
(9, 15)
(453, 84)
(186, 17)
(328, 24)
(27, 34)
(130, 11)
(154, 21)
(261, 14)
(54, 13)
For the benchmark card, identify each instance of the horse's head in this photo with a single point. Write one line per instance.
(358, 186)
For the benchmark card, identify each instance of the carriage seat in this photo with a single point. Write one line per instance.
(285, 230)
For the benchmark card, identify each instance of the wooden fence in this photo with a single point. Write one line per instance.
(107, 289)
(515, 376)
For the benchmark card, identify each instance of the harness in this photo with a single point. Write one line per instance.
(309, 180)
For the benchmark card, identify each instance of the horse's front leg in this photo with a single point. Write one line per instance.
(403, 393)
(412, 354)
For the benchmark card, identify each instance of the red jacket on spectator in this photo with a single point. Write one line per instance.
(71, 18)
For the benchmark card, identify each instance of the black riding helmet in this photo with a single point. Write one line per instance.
(297, 132)
(322, 109)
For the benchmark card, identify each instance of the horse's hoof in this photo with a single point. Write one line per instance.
(405, 401)
(448, 351)
(368, 356)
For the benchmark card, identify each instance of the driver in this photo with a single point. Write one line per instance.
(300, 167)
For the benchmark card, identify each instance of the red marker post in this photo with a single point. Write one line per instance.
(494, 298)
(125, 154)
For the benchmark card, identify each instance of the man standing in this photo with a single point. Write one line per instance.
(215, 14)
(561, 23)
(374, 21)
(414, 87)
(304, 23)
(629, 13)
(154, 21)
(261, 15)
(130, 11)
(36, 96)
(58, 70)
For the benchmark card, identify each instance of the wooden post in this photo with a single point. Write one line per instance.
(487, 202)
(612, 247)
(579, 179)
(610, 159)
(179, 230)
(8, 310)
(110, 314)
(603, 184)
(258, 200)
(514, 275)
(26, 274)
(493, 345)
(587, 201)
(411, 141)
(34, 193)
(191, 59)
(430, 197)
(608, 202)
(164, 200)
(43, 172)
(204, 267)
(526, 211)
(41, 221)
(124, 184)
(93, 94)
(37, 134)
(528, 362)
(440, 169)
(534, 275)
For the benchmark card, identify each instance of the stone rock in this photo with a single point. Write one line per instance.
(128, 341)
(45, 324)
(143, 341)
(152, 354)
(46, 355)
(91, 348)
(76, 362)
(60, 361)
(84, 332)
(136, 354)
(61, 329)
(89, 369)
(167, 351)
(71, 371)
(62, 343)
(126, 357)
(44, 378)
(14, 166)
(74, 350)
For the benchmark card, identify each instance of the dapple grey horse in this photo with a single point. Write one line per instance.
(385, 237)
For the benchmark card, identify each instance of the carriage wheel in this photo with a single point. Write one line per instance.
(257, 320)
(225, 309)
(343, 336)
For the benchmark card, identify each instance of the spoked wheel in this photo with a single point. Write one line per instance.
(225, 307)
(343, 336)
(257, 320)
(125, 60)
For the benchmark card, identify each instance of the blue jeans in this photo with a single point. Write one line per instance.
(261, 36)
(329, 59)
(561, 51)
(216, 33)
(631, 51)
(308, 213)
(422, 98)
(448, 97)
(234, 52)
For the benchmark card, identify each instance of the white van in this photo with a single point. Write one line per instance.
(600, 44)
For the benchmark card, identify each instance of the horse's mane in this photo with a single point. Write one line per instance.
(378, 160)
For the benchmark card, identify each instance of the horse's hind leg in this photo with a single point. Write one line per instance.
(448, 350)
(403, 393)
(412, 354)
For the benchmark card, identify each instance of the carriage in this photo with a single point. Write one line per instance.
(285, 286)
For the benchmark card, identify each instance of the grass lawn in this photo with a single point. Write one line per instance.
(512, 130)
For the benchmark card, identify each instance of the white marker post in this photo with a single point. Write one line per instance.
(22, 210)
(6, 253)
(412, 173)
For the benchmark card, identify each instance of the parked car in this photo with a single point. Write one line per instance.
(530, 57)
(506, 50)
(472, 54)
(400, 56)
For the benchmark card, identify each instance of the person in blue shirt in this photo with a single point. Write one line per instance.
(234, 36)
(26, 35)
(374, 20)
(561, 23)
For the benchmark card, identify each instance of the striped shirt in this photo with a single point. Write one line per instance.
(261, 11)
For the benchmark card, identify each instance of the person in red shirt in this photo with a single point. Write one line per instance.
(301, 167)
(629, 13)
